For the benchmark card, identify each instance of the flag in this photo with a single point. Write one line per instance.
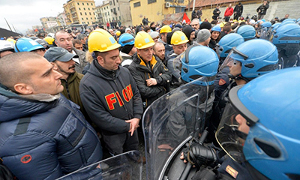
(186, 19)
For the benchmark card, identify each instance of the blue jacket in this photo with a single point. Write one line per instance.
(44, 140)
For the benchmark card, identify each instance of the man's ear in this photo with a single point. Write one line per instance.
(100, 59)
(23, 88)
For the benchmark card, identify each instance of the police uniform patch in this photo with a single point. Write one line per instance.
(222, 82)
(231, 171)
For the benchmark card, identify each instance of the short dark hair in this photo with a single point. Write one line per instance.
(76, 41)
(12, 71)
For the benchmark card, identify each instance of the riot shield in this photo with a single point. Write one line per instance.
(125, 166)
(172, 121)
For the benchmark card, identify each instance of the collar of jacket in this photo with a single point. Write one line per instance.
(102, 72)
(71, 77)
(152, 62)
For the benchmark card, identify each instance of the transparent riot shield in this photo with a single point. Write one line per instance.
(172, 121)
(125, 166)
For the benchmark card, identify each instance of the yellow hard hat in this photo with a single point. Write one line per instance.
(143, 40)
(11, 40)
(165, 29)
(222, 24)
(102, 41)
(49, 40)
(118, 33)
(179, 37)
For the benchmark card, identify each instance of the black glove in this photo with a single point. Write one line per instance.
(200, 155)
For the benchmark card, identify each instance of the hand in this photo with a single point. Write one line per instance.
(134, 124)
(164, 147)
(151, 82)
(198, 155)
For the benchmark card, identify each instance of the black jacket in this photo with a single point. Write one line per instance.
(141, 72)
(217, 12)
(262, 9)
(110, 98)
(238, 9)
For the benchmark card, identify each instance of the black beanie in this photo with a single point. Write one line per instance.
(169, 36)
(205, 25)
(126, 49)
(187, 30)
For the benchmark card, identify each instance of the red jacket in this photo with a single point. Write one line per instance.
(228, 11)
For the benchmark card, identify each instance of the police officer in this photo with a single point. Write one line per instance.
(287, 38)
(258, 132)
(246, 62)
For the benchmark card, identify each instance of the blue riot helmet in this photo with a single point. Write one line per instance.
(261, 123)
(287, 34)
(126, 39)
(216, 28)
(251, 59)
(27, 45)
(287, 40)
(264, 31)
(199, 61)
(247, 32)
(227, 42)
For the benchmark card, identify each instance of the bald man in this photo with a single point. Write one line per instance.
(43, 135)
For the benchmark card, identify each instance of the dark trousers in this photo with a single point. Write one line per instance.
(236, 16)
(119, 143)
(227, 18)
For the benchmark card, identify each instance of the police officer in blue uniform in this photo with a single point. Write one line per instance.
(258, 132)
(287, 40)
(245, 62)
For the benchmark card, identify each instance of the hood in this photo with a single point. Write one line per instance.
(13, 106)
(97, 70)
(187, 30)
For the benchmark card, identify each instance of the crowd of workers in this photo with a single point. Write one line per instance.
(67, 96)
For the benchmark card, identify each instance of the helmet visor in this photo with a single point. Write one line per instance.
(232, 132)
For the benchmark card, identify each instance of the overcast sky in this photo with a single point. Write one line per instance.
(23, 14)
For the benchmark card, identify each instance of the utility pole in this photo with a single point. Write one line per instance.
(8, 24)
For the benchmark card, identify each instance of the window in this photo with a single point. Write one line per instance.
(85, 14)
(180, 1)
(108, 13)
(87, 18)
(83, 8)
(91, 3)
(114, 2)
(90, 13)
(80, 13)
(87, 3)
(151, 1)
(118, 9)
(92, 18)
(82, 18)
(79, 9)
(113, 18)
(120, 18)
(77, 3)
(88, 8)
(137, 4)
(110, 3)
(94, 13)
(82, 3)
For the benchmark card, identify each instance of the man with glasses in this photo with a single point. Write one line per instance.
(64, 39)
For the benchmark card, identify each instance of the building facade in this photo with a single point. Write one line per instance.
(120, 12)
(61, 19)
(155, 10)
(105, 13)
(48, 22)
(80, 12)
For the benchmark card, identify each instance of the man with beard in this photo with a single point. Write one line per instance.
(64, 63)
(63, 39)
